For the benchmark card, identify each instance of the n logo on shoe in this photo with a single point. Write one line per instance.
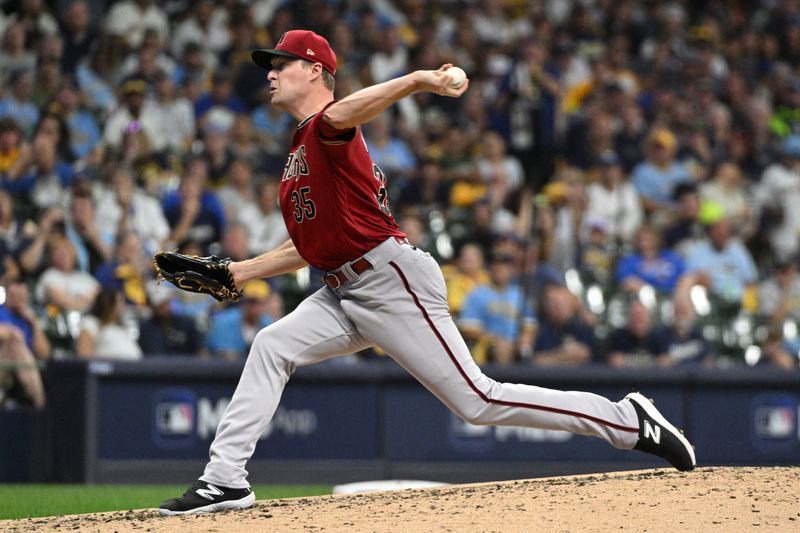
(209, 493)
(650, 432)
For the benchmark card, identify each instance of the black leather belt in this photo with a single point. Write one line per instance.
(334, 280)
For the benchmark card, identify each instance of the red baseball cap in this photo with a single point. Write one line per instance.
(302, 44)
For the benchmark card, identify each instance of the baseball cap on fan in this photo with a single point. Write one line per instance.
(298, 44)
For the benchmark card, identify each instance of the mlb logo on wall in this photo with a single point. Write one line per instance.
(174, 418)
(774, 423)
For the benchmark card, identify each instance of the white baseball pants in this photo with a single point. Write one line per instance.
(401, 306)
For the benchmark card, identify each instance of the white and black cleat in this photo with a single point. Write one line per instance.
(659, 437)
(203, 497)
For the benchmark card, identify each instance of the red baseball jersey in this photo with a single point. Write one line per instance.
(333, 197)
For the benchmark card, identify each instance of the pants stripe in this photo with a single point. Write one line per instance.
(472, 385)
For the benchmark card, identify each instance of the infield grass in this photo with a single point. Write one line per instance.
(29, 501)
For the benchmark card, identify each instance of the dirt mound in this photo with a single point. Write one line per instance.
(708, 499)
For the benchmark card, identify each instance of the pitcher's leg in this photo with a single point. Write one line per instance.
(414, 326)
(316, 330)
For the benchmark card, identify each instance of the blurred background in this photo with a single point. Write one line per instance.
(614, 203)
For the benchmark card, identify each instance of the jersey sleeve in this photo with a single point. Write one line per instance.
(332, 136)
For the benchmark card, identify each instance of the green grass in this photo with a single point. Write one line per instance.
(28, 501)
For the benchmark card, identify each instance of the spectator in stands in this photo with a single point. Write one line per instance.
(656, 177)
(264, 221)
(10, 238)
(238, 194)
(193, 212)
(35, 237)
(135, 114)
(417, 232)
(630, 139)
(91, 248)
(720, 262)
(640, 343)
(36, 19)
(275, 308)
(17, 102)
(15, 56)
(562, 336)
(774, 351)
(84, 131)
(128, 271)
(11, 146)
(463, 275)
(390, 152)
(530, 94)
(42, 174)
(727, 188)
(458, 166)
(244, 142)
(245, 36)
(614, 200)
(596, 254)
(391, 57)
(175, 114)
(567, 201)
(147, 61)
(193, 72)
(219, 105)
(125, 207)
(62, 285)
(48, 77)
(495, 318)
(103, 333)
(129, 19)
(271, 125)
(22, 343)
(234, 242)
(503, 174)
(687, 346)
(93, 73)
(427, 191)
(233, 330)
(217, 153)
(10, 227)
(777, 196)
(779, 294)
(649, 264)
(206, 25)
(686, 228)
(166, 333)
(79, 34)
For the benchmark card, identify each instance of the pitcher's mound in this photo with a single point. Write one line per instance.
(706, 500)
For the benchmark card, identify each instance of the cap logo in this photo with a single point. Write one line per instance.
(310, 52)
(280, 41)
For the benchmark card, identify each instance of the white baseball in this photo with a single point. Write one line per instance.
(457, 77)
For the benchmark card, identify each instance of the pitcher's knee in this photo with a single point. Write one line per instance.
(475, 414)
(268, 346)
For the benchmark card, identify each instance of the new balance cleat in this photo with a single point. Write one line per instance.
(203, 497)
(659, 437)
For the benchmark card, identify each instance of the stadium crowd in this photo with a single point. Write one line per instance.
(619, 185)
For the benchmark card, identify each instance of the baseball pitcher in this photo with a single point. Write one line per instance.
(379, 290)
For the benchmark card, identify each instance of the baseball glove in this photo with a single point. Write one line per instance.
(206, 275)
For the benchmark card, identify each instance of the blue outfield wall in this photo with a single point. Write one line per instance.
(110, 421)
